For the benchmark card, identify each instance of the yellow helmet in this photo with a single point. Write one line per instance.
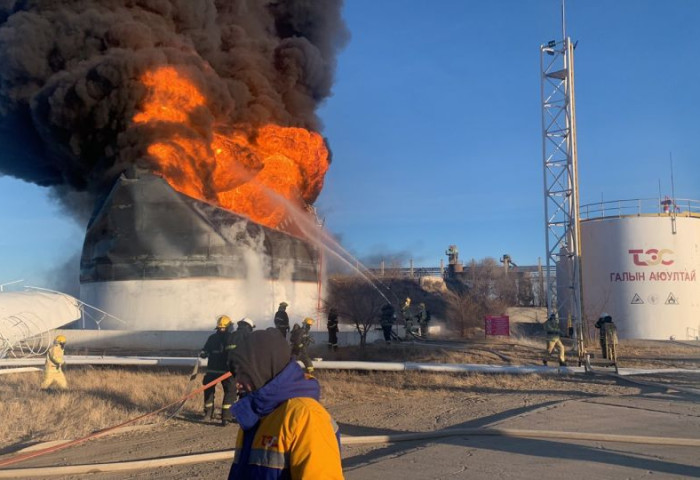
(222, 322)
(408, 300)
(60, 339)
(309, 321)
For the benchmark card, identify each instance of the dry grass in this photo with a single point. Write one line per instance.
(96, 399)
(420, 384)
(102, 397)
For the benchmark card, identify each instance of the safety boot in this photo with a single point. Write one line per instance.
(226, 416)
(208, 414)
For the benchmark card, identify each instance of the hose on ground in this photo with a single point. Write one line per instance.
(227, 455)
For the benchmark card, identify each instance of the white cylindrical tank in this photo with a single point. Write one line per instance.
(643, 271)
(26, 319)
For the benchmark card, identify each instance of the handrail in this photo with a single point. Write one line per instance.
(661, 206)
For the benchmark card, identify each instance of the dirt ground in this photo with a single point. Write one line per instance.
(379, 403)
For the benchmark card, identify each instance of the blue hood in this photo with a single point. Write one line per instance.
(289, 383)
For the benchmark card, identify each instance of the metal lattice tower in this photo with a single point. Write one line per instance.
(560, 162)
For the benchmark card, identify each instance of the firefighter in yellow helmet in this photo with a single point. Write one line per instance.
(300, 339)
(215, 352)
(53, 368)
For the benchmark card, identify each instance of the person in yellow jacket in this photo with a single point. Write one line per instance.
(551, 328)
(284, 431)
(53, 368)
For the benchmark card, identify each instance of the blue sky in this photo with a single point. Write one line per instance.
(435, 127)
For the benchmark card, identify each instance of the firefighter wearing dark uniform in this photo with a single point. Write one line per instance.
(332, 326)
(386, 320)
(423, 318)
(282, 319)
(300, 339)
(608, 335)
(408, 318)
(217, 364)
(244, 328)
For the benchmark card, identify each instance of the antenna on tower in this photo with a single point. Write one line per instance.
(563, 19)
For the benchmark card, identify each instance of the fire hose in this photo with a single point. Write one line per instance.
(104, 431)
(227, 455)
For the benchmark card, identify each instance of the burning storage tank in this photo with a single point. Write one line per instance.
(160, 260)
(218, 100)
(642, 267)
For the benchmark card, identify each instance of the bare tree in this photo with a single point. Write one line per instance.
(357, 301)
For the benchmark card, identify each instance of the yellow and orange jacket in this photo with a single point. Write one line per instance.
(285, 432)
(54, 358)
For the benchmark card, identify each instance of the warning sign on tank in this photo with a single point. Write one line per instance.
(637, 300)
(671, 300)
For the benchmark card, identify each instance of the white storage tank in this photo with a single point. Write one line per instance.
(642, 267)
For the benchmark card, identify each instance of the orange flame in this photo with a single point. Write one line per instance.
(243, 173)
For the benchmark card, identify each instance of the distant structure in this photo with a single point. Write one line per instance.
(454, 266)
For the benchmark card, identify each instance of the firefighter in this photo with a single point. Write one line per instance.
(386, 320)
(300, 339)
(407, 318)
(217, 364)
(53, 368)
(608, 335)
(551, 328)
(423, 318)
(243, 328)
(332, 326)
(282, 319)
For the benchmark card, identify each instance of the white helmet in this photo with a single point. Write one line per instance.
(248, 321)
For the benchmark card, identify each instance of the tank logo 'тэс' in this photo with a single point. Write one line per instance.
(653, 257)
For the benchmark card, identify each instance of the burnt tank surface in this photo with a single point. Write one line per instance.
(151, 252)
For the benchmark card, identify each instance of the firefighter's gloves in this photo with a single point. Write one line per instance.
(203, 354)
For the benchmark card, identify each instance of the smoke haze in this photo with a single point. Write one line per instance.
(70, 82)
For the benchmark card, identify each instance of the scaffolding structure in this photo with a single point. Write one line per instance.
(560, 167)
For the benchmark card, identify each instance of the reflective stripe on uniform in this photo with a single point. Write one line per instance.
(269, 458)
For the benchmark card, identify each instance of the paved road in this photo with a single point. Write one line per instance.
(503, 458)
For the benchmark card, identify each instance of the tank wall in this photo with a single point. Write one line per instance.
(194, 303)
(645, 276)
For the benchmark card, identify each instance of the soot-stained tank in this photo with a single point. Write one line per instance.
(159, 260)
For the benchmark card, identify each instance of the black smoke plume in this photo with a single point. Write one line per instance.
(70, 70)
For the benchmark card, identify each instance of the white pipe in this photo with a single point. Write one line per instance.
(337, 365)
(359, 440)
(20, 370)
